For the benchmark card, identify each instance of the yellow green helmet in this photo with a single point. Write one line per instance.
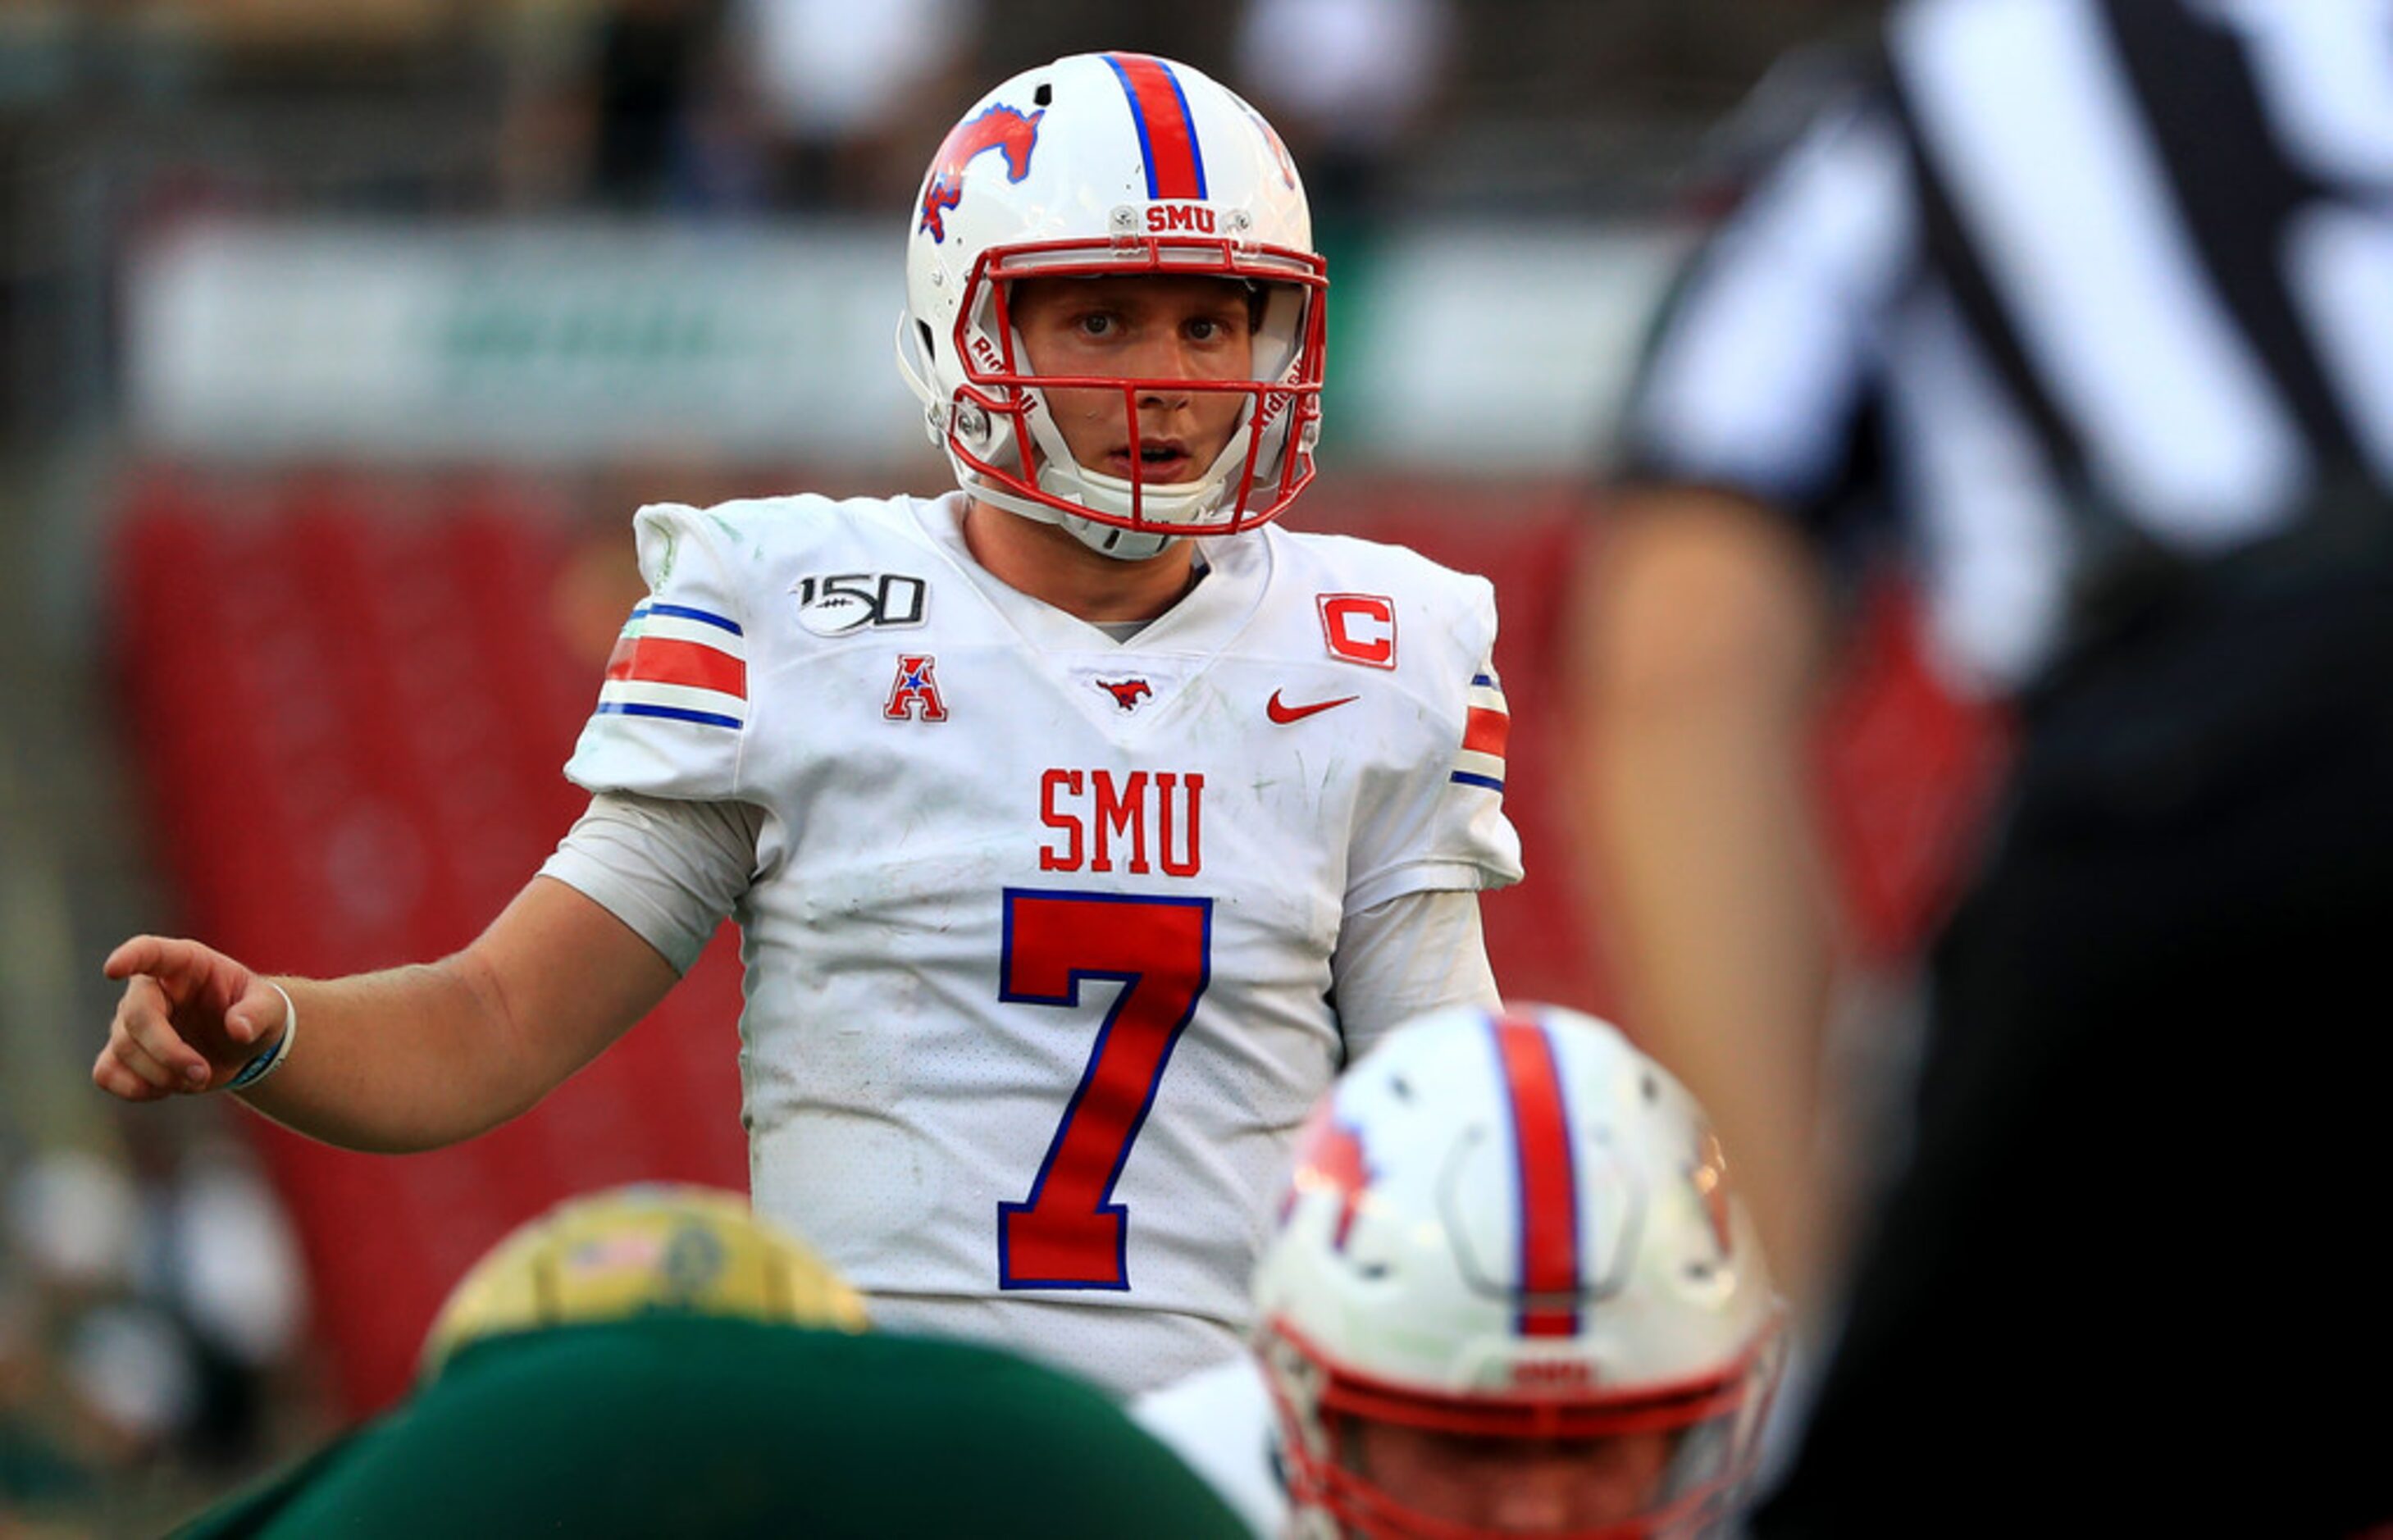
(651, 1249)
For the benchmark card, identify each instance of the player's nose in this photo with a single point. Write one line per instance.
(1162, 360)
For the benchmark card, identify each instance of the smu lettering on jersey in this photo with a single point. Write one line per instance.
(1039, 943)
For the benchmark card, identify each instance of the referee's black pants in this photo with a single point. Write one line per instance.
(2131, 1281)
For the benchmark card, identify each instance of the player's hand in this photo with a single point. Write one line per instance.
(189, 1019)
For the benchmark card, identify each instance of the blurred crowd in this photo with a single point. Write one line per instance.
(121, 119)
(666, 106)
(152, 1321)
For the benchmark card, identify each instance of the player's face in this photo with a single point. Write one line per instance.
(1514, 1486)
(1157, 327)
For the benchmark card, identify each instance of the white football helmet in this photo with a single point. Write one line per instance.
(1514, 1227)
(1099, 165)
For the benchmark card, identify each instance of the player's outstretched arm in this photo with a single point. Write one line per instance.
(408, 1059)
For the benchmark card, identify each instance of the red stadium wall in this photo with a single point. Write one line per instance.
(349, 699)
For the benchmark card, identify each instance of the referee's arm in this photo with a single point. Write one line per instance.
(1705, 630)
(1706, 625)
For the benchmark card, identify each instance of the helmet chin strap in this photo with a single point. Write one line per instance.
(1111, 540)
(1108, 540)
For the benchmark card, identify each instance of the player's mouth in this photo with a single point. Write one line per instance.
(1158, 462)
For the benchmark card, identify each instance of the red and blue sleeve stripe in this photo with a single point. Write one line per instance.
(1488, 726)
(678, 664)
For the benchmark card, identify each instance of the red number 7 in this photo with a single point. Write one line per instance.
(1069, 1233)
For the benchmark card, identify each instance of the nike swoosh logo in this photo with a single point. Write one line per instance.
(1281, 711)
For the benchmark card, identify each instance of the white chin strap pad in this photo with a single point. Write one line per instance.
(1110, 539)
(1114, 540)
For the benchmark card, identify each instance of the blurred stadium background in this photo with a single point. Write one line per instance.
(337, 344)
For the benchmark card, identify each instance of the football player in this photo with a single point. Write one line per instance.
(1082, 822)
(656, 1361)
(1510, 1293)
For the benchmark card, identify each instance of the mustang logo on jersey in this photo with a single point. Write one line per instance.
(1127, 693)
(847, 602)
(1001, 128)
(1104, 817)
(916, 691)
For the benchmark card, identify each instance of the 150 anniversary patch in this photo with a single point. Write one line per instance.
(844, 602)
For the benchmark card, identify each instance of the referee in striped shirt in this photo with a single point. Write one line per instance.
(2085, 309)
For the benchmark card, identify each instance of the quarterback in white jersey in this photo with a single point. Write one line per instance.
(1041, 929)
(1079, 826)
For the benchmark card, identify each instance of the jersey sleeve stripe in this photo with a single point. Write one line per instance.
(667, 660)
(1486, 729)
(685, 612)
(680, 703)
(674, 627)
(671, 713)
(1484, 732)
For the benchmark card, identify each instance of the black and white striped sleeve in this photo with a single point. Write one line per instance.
(1762, 365)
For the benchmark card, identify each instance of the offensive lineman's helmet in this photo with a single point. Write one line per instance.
(1514, 1227)
(1102, 164)
(647, 1249)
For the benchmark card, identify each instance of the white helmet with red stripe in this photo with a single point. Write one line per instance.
(1092, 165)
(1511, 1292)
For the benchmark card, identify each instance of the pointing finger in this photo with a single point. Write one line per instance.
(168, 957)
(139, 955)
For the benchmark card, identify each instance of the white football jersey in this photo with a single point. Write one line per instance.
(1038, 940)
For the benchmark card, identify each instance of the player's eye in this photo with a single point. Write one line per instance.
(1216, 329)
(1097, 323)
